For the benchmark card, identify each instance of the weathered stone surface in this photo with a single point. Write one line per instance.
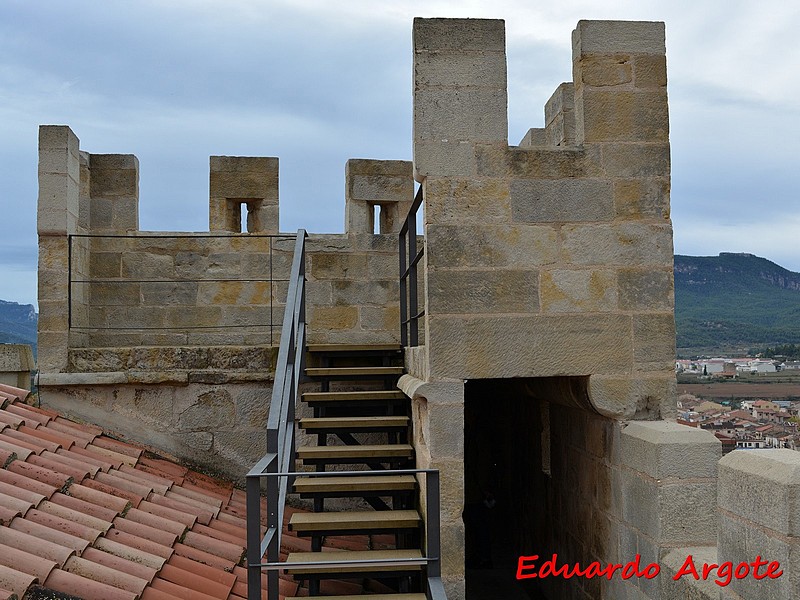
(564, 291)
(602, 70)
(333, 317)
(611, 37)
(354, 293)
(443, 158)
(458, 69)
(570, 200)
(534, 138)
(763, 486)
(460, 114)
(338, 265)
(212, 410)
(650, 71)
(380, 318)
(646, 289)
(624, 397)
(642, 198)
(512, 245)
(622, 244)
(654, 342)
(462, 201)
(483, 292)
(459, 35)
(636, 160)
(537, 163)
(664, 449)
(623, 116)
(527, 346)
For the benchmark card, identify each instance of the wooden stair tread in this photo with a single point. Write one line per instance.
(353, 347)
(366, 483)
(351, 520)
(352, 422)
(363, 451)
(355, 395)
(368, 596)
(352, 371)
(341, 555)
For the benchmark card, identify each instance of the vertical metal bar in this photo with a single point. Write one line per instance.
(69, 283)
(412, 280)
(253, 538)
(403, 289)
(271, 293)
(433, 549)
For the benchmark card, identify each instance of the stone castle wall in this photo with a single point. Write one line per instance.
(165, 337)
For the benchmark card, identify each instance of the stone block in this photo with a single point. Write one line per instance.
(114, 175)
(58, 137)
(636, 160)
(121, 293)
(465, 201)
(646, 290)
(169, 293)
(105, 264)
(741, 540)
(53, 316)
(622, 116)
(359, 217)
(561, 101)
(459, 35)
(485, 347)
(444, 158)
(244, 185)
(511, 245)
(654, 342)
(53, 285)
(534, 138)
(380, 318)
(333, 317)
(642, 198)
(603, 70)
(482, 292)
(379, 181)
(52, 351)
(620, 244)
(763, 486)
(354, 293)
(686, 588)
(460, 69)
(58, 206)
(537, 163)
(141, 265)
(338, 266)
(665, 449)
(612, 37)
(566, 291)
(650, 71)
(228, 293)
(642, 398)
(568, 200)
(460, 114)
(59, 161)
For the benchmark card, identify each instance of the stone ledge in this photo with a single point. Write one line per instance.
(149, 377)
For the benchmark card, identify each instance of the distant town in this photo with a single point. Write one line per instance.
(752, 423)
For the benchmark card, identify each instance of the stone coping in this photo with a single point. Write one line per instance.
(149, 377)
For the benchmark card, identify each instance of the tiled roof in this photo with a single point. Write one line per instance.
(87, 515)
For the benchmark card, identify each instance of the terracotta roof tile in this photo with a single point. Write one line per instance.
(22, 481)
(40, 474)
(15, 581)
(99, 498)
(43, 532)
(203, 515)
(88, 589)
(36, 409)
(159, 536)
(26, 562)
(103, 574)
(130, 553)
(106, 521)
(23, 437)
(120, 564)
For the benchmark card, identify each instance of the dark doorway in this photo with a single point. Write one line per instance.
(505, 480)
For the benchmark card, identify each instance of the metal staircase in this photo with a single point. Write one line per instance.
(360, 422)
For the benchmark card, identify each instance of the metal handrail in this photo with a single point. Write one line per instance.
(431, 559)
(280, 454)
(409, 259)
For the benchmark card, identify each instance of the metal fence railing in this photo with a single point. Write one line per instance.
(409, 261)
(115, 300)
(280, 454)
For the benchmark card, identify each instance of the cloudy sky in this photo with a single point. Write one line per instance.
(316, 82)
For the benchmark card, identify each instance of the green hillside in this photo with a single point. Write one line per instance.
(735, 301)
(18, 324)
